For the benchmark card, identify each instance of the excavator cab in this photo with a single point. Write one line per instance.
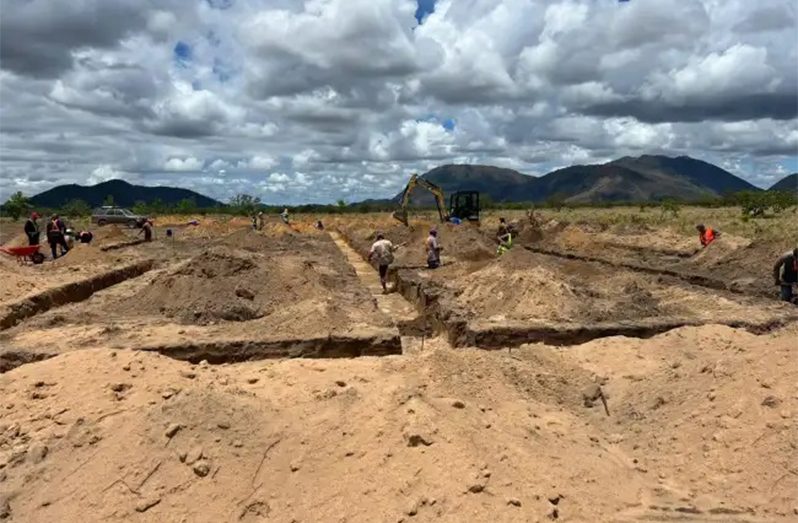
(464, 205)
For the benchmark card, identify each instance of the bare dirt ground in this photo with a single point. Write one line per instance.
(699, 422)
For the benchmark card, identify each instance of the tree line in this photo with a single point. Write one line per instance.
(751, 203)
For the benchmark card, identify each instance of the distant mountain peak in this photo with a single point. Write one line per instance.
(788, 184)
(123, 193)
(648, 177)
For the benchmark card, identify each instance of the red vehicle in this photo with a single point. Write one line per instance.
(22, 254)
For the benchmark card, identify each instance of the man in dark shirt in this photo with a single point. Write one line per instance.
(55, 236)
(32, 229)
(785, 274)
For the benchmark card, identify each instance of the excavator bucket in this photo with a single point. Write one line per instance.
(401, 215)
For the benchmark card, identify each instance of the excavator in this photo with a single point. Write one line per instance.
(463, 205)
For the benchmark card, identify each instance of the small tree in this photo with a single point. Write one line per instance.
(109, 201)
(140, 208)
(556, 201)
(670, 206)
(186, 206)
(781, 200)
(76, 209)
(244, 204)
(16, 205)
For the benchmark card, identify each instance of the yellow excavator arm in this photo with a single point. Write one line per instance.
(415, 181)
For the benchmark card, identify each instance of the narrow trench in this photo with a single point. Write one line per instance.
(69, 293)
(406, 317)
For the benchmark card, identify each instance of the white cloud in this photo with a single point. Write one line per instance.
(258, 163)
(349, 96)
(279, 178)
(739, 69)
(103, 173)
(304, 157)
(183, 164)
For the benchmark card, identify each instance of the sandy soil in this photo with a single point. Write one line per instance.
(522, 285)
(700, 424)
(242, 286)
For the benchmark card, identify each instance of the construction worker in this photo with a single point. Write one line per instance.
(260, 220)
(433, 250)
(32, 229)
(319, 225)
(55, 236)
(505, 243)
(146, 228)
(85, 236)
(706, 235)
(284, 216)
(503, 229)
(785, 274)
(382, 250)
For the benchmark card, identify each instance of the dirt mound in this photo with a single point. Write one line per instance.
(253, 241)
(216, 285)
(110, 234)
(500, 291)
(265, 280)
(81, 254)
(524, 286)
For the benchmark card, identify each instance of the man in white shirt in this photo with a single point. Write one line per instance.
(382, 250)
(433, 250)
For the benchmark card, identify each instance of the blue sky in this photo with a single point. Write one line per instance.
(424, 8)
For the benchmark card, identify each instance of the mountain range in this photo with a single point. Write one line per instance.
(123, 193)
(641, 179)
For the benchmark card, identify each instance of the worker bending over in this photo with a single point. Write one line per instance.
(785, 274)
(706, 235)
(382, 250)
(146, 228)
(433, 250)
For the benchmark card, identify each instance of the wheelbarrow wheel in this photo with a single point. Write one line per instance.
(37, 258)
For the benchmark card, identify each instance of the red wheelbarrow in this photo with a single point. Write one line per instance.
(22, 254)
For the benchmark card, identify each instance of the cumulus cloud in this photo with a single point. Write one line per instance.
(325, 99)
(183, 164)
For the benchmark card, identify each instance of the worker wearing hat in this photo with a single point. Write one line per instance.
(32, 229)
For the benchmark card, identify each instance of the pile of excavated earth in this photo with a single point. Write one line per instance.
(555, 286)
(612, 392)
